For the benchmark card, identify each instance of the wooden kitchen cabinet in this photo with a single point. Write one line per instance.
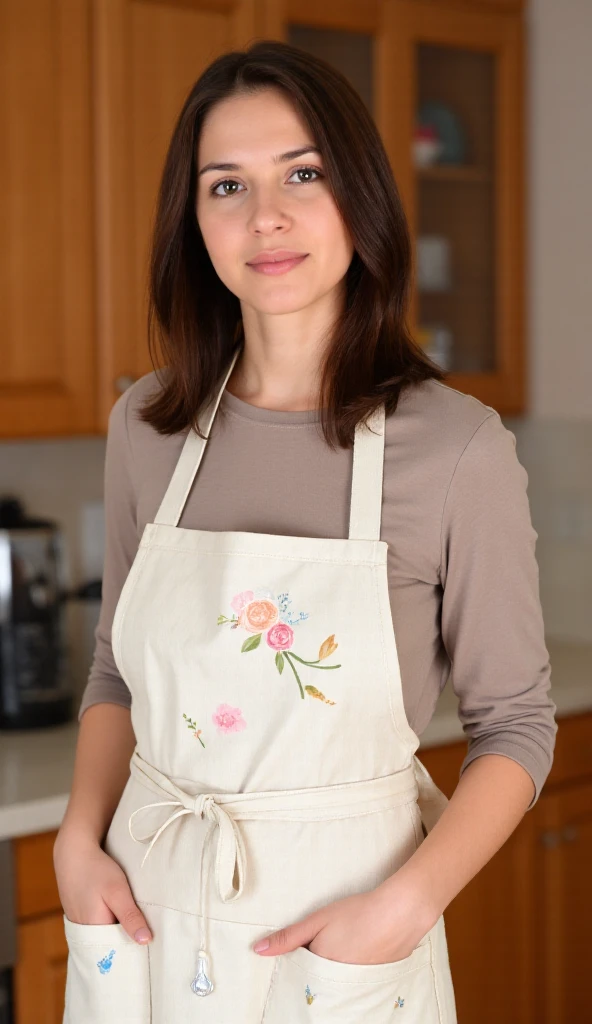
(47, 329)
(90, 95)
(40, 981)
(42, 951)
(518, 934)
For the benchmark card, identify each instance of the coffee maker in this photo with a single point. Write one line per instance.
(35, 685)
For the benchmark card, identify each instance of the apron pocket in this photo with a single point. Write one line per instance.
(308, 987)
(108, 975)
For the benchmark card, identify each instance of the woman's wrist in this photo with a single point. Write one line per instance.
(411, 886)
(75, 835)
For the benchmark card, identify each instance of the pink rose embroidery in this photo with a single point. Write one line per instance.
(262, 613)
(229, 719)
(280, 637)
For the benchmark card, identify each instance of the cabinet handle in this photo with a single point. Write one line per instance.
(124, 381)
(570, 834)
(551, 840)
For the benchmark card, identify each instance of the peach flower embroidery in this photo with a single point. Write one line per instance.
(261, 614)
(228, 719)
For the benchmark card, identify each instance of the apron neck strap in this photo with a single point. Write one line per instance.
(367, 470)
(188, 462)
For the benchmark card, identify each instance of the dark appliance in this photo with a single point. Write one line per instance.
(35, 684)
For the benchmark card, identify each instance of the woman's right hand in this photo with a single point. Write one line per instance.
(93, 888)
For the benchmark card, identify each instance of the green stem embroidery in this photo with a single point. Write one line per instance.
(288, 658)
(193, 726)
(313, 664)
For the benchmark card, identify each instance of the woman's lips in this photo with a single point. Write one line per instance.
(279, 267)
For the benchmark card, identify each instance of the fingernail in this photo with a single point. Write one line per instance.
(142, 935)
(261, 945)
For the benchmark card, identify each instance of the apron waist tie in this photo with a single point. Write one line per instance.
(222, 810)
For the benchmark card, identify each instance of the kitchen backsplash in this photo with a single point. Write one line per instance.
(63, 480)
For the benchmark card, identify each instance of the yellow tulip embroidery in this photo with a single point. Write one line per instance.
(263, 615)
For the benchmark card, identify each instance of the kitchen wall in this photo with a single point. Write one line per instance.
(559, 208)
(63, 479)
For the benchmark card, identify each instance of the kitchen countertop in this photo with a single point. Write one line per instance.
(36, 765)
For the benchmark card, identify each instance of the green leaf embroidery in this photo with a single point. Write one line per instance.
(279, 661)
(252, 642)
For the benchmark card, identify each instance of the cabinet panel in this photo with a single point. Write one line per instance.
(36, 885)
(455, 196)
(147, 56)
(489, 924)
(565, 909)
(40, 973)
(349, 52)
(46, 263)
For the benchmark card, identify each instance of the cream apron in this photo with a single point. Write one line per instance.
(274, 772)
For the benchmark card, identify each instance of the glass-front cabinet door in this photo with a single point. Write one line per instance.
(456, 146)
(444, 84)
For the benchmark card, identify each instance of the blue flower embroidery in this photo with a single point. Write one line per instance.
(309, 995)
(106, 963)
(399, 1002)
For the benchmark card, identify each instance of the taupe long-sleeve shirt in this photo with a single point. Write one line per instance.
(463, 576)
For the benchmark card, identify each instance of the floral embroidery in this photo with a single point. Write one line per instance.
(309, 995)
(399, 1002)
(193, 725)
(106, 963)
(229, 719)
(261, 613)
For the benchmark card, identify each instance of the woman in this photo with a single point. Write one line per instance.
(246, 719)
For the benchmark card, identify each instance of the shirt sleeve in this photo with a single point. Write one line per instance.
(492, 621)
(121, 543)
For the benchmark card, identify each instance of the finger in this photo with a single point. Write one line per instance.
(287, 939)
(129, 915)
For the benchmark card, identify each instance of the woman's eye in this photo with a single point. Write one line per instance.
(306, 170)
(298, 170)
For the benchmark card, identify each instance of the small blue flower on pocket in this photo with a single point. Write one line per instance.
(309, 995)
(106, 963)
(399, 1002)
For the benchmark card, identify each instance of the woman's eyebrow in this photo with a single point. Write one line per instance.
(293, 154)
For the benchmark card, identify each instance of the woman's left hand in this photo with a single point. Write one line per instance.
(375, 927)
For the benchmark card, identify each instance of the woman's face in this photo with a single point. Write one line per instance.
(268, 202)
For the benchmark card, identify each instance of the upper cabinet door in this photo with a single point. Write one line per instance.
(450, 109)
(46, 210)
(147, 57)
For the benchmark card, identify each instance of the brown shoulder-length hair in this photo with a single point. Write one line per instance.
(370, 356)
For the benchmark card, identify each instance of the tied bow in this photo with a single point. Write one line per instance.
(231, 856)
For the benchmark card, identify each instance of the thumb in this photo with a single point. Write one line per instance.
(287, 939)
(129, 915)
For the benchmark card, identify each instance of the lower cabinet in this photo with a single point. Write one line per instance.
(42, 952)
(40, 979)
(519, 934)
